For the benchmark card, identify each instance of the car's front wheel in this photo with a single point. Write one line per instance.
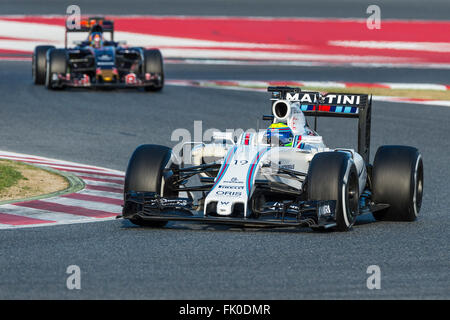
(333, 176)
(39, 63)
(153, 64)
(56, 65)
(145, 174)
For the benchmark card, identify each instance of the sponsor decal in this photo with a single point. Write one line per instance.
(234, 180)
(100, 63)
(231, 187)
(339, 99)
(105, 57)
(229, 193)
(287, 166)
(85, 80)
(130, 78)
(168, 202)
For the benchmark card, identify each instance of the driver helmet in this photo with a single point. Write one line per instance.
(279, 134)
(96, 40)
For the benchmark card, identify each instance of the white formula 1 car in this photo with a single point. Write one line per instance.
(260, 180)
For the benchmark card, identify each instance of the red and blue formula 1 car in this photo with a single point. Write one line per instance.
(97, 62)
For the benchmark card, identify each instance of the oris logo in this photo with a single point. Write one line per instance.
(229, 193)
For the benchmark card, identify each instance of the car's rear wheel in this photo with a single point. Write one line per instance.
(333, 176)
(56, 65)
(153, 64)
(39, 63)
(398, 181)
(145, 174)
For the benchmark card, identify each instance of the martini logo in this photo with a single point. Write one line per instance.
(339, 99)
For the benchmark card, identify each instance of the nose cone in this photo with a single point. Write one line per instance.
(224, 208)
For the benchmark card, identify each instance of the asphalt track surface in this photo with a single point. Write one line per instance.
(189, 261)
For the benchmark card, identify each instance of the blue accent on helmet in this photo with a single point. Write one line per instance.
(280, 136)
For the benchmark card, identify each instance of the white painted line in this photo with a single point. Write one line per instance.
(287, 63)
(103, 177)
(40, 214)
(86, 204)
(394, 45)
(56, 161)
(104, 194)
(416, 86)
(58, 223)
(89, 182)
(439, 103)
(303, 83)
(328, 84)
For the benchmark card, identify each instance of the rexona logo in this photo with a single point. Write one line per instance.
(228, 193)
(340, 99)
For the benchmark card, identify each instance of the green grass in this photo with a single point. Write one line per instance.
(9, 176)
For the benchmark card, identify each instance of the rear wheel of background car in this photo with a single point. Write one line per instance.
(145, 174)
(397, 179)
(39, 63)
(153, 63)
(333, 176)
(56, 64)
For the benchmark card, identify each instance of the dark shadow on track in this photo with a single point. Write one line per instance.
(193, 226)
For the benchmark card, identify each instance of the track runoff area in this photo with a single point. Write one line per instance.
(296, 41)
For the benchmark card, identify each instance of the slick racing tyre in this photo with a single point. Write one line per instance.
(153, 63)
(39, 63)
(145, 174)
(398, 181)
(333, 176)
(56, 64)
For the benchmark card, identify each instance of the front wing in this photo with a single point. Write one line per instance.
(149, 206)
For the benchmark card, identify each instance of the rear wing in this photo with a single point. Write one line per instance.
(87, 24)
(333, 105)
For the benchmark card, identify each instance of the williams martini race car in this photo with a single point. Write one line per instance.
(97, 62)
(280, 177)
